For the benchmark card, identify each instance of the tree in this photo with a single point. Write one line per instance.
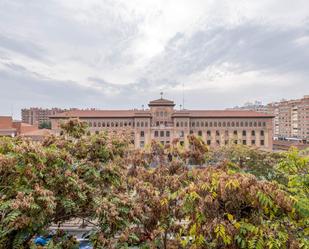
(100, 178)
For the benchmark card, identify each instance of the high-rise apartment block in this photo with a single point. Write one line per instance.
(291, 117)
(37, 116)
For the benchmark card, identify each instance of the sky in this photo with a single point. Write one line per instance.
(119, 54)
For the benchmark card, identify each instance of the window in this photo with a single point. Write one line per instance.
(253, 142)
(156, 133)
(262, 142)
(217, 133)
(158, 123)
(161, 133)
(167, 133)
(181, 124)
(146, 124)
(99, 124)
(218, 142)
(90, 124)
(197, 124)
(200, 133)
(94, 124)
(103, 124)
(206, 124)
(116, 124)
(219, 124)
(121, 124)
(192, 124)
(262, 133)
(215, 124)
(210, 124)
(142, 134)
(181, 133)
(191, 131)
(142, 144)
(161, 114)
(259, 124)
(237, 124)
(252, 133)
(137, 124)
(233, 124)
(228, 124)
(202, 124)
(177, 124)
(244, 133)
(208, 133)
(227, 133)
(142, 124)
(241, 124)
(235, 141)
(235, 132)
(223, 124)
(208, 142)
(125, 123)
(244, 142)
(264, 123)
(186, 124)
(246, 124)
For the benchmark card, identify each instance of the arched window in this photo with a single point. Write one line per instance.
(103, 124)
(94, 124)
(177, 124)
(217, 133)
(181, 124)
(90, 124)
(108, 124)
(112, 124)
(99, 124)
(142, 124)
(137, 124)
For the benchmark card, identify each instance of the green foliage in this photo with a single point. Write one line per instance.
(243, 198)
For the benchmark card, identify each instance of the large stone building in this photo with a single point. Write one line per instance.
(163, 123)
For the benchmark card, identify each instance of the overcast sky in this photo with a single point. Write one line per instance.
(123, 53)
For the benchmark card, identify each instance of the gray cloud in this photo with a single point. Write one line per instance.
(112, 54)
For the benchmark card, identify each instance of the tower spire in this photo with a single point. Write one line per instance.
(161, 93)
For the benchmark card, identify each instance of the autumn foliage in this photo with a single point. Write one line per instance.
(232, 197)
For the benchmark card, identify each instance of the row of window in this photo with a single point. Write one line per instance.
(244, 133)
(221, 124)
(200, 133)
(180, 124)
(244, 142)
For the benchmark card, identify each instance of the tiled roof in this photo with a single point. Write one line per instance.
(161, 102)
(222, 114)
(146, 113)
(101, 114)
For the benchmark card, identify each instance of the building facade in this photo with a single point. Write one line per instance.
(37, 116)
(291, 117)
(163, 123)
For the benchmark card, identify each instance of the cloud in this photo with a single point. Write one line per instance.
(121, 54)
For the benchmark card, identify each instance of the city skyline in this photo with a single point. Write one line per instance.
(119, 54)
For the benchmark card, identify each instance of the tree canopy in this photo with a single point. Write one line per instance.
(233, 197)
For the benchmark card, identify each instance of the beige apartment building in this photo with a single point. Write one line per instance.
(163, 123)
(291, 117)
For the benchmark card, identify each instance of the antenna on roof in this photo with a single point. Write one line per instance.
(183, 95)
(161, 93)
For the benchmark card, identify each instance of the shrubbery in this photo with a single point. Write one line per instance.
(237, 198)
